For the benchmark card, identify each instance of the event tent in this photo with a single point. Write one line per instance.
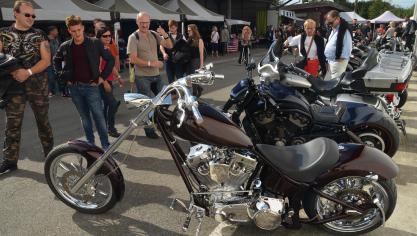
(193, 10)
(237, 22)
(130, 8)
(350, 15)
(386, 17)
(58, 10)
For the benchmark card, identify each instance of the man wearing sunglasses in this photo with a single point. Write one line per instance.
(339, 44)
(30, 46)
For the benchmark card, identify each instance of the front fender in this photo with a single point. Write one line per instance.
(92, 153)
(360, 160)
(358, 113)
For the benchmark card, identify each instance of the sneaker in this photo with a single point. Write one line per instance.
(114, 133)
(7, 166)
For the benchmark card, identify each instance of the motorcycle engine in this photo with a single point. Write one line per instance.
(222, 172)
(220, 169)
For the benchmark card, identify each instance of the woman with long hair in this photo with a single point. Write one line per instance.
(110, 103)
(244, 44)
(197, 54)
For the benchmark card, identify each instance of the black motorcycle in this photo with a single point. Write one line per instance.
(8, 85)
(280, 115)
(347, 188)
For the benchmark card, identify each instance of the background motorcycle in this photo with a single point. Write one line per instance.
(277, 114)
(347, 188)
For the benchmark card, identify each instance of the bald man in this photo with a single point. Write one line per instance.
(142, 48)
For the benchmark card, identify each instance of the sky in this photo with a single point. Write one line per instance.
(401, 3)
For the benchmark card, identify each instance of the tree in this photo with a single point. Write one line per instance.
(378, 7)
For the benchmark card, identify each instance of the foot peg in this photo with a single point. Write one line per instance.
(191, 210)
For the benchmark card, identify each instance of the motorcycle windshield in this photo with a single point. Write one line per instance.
(271, 56)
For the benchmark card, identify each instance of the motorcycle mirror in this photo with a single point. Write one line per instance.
(134, 100)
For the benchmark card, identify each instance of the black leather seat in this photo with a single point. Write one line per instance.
(303, 163)
(324, 114)
(324, 87)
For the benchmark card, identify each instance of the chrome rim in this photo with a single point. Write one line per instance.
(358, 191)
(64, 172)
(373, 140)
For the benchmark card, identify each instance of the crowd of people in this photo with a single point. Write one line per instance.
(86, 68)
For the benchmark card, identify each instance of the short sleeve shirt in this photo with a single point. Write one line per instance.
(146, 49)
(23, 45)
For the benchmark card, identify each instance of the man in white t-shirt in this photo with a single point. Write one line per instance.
(311, 47)
(215, 41)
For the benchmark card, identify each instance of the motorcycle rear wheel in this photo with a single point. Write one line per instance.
(384, 190)
(382, 134)
(64, 166)
(403, 98)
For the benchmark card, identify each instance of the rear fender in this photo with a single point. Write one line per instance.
(92, 153)
(358, 114)
(360, 160)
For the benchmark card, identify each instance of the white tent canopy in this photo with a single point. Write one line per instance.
(58, 10)
(237, 22)
(350, 15)
(126, 7)
(193, 10)
(386, 17)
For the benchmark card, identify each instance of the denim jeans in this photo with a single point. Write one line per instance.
(148, 85)
(110, 107)
(53, 86)
(87, 100)
(174, 71)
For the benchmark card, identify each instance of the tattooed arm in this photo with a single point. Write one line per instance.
(45, 58)
(23, 74)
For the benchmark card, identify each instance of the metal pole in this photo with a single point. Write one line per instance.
(229, 9)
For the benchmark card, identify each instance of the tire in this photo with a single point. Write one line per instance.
(403, 98)
(387, 131)
(311, 198)
(62, 151)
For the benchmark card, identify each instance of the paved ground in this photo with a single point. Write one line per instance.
(28, 207)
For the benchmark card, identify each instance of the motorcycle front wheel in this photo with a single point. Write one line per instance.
(360, 192)
(64, 167)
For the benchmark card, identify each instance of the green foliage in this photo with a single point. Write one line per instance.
(374, 8)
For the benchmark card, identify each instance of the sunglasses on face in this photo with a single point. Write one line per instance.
(29, 15)
(106, 36)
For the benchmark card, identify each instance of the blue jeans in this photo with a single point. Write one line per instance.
(148, 85)
(174, 71)
(52, 80)
(110, 107)
(87, 100)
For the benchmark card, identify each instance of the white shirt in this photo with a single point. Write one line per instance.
(215, 37)
(296, 40)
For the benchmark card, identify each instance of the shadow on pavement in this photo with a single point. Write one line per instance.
(112, 224)
(408, 174)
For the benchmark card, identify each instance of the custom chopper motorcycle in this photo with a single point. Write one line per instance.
(346, 188)
(276, 113)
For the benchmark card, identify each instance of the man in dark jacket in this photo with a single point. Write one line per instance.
(77, 62)
(30, 46)
(339, 44)
(409, 33)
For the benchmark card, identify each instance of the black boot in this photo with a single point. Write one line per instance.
(7, 166)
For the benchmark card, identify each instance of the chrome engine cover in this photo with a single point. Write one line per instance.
(220, 169)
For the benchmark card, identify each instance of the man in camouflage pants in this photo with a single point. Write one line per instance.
(31, 47)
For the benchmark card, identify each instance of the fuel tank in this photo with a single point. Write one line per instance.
(216, 129)
(285, 97)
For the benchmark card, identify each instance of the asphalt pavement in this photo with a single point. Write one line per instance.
(28, 207)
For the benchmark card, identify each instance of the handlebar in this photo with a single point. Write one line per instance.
(186, 100)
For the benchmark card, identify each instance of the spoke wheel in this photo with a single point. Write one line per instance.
(64, 168)
(358, 191)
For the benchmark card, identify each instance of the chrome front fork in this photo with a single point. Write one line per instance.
(142, 117)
